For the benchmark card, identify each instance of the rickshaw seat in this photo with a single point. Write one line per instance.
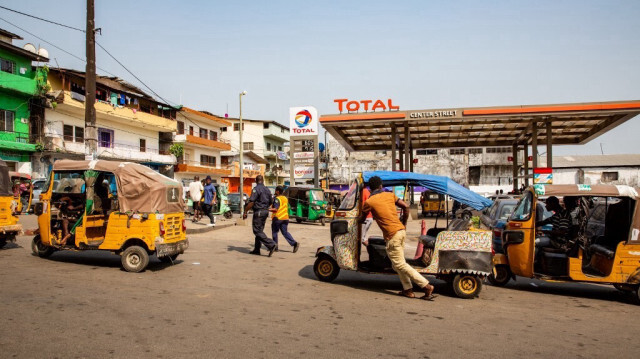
(554, 250)
(602, 250)
(428, 241)
(377, 241)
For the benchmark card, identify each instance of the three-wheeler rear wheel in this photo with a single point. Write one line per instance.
(326, 268)
(466, 286)
(134, 259)
(41, 249)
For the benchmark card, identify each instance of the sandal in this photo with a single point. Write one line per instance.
(407, 293)
(429, 297)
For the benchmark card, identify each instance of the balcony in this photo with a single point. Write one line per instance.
(275, 132)
(202, 167)
(18, 84)
(123, 115)
(203, 142)
(16, 141)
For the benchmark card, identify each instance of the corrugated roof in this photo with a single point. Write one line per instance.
(595, 161)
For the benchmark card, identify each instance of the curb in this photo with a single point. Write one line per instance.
(208, 229)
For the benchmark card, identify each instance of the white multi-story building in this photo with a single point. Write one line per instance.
(276, 136)
(253, 153)
(132, 126)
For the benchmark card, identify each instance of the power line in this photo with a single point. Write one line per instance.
(41, 19)
(54, 45)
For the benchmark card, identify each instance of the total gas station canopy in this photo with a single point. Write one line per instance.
(562, 124)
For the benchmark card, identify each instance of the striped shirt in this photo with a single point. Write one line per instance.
(561, 222)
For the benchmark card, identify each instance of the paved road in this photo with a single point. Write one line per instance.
(219, 301)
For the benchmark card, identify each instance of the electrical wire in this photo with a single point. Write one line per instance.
(41, 19)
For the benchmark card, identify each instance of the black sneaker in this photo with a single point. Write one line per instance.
(273, 249)
(276, 248)
(255, 252)
(295, 248)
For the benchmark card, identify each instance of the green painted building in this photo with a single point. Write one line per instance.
(20, 83)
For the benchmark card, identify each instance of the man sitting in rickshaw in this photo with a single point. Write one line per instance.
(383, 207)
(561, 224)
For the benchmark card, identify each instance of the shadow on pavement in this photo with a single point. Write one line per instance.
(578, 290)
(104, 259)
(10, 245)
(378, 283)
(244, 250)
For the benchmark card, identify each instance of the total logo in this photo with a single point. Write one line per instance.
(303, 121)
(303, 118)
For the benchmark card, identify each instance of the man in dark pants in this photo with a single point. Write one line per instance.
(210, 199)
(280, 219)
(260, 201)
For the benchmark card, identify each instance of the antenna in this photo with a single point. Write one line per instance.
(226, 114)
(601, 150)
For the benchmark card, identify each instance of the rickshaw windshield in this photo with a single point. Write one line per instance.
(523, 209)
(68, 182)
(316, 196)
(350, 198)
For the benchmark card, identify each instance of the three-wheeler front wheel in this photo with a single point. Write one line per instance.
(500, 276)
(41, 249)
(134, 259)
(466, 286)
(326, 268)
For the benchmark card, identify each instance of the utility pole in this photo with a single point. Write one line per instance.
(90, 132)
(241, 166)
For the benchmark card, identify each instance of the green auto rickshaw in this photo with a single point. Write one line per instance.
(306, 204)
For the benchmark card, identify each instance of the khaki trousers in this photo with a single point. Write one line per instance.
(395, 251)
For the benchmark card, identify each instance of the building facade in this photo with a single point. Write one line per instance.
(276, 137)
(254, 163)
(22, 86)
(132, 126)
(200, 135)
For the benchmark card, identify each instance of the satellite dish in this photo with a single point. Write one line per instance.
(29, 47)
(43, 52)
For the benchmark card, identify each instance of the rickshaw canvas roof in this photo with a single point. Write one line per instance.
(139, 188)
(19, 174)
(586, 190)
(5, 180)
(438, 184)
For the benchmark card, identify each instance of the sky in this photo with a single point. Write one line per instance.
(421, 54)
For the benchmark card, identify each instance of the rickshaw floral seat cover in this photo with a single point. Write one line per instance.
(479, 241)
(346, 245)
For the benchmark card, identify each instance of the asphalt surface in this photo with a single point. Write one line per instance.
(219, 301)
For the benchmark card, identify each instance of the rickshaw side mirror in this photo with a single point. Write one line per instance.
(339, 227)
(38, 210)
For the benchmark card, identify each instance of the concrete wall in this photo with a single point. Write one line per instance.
(626, 175)
(253, 132)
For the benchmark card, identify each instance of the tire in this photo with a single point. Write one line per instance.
(168, 259)
(298, 220)
(326, 268)
(134, 259)
(500, 276)
(228, 215)
(40, 249)
(322, 221)
(466, 286)
(466, 216)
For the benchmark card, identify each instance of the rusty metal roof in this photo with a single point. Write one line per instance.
(571, 124)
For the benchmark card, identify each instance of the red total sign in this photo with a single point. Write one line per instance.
(366, 105)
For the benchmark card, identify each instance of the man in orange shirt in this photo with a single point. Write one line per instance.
(367, 222)
(383, 207)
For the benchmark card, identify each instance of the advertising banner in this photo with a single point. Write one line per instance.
(303, 172)
(303, 121)
(543, 175)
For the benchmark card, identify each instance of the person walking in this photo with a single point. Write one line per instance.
(209, 200)
(383, 207)
(260, 201)
(280, 219)
(195, 192)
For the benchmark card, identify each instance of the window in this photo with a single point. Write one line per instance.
(207, 160)
(523, 208)
(70, 136)
(456, 151)
(180, 127)
(350, 199)
(268, 146)
(609, 176)
(223, 129)
(68, 133)
(499, 150)
(280, 148)
(8, 66)
(79, 137)
(191, 130)
(204, 133)
(265, 125)
(426, 152)
(143, 145)
(247, 146)
(105, 138)
(213, 135)
(236, 127)
(475, 151)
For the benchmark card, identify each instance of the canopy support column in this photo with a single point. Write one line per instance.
(549, 144)
(514, 155)
(526, 164)
(394, 147)
(534, 144)
(407, 142)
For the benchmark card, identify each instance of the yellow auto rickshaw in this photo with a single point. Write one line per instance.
(122, 207)
(603, 242)
(333, 198)
(22, 191)
(9, 226)
(433, 204)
